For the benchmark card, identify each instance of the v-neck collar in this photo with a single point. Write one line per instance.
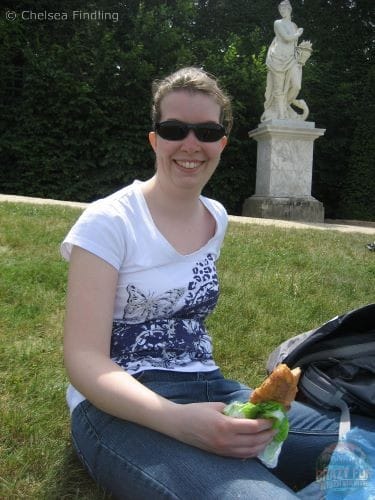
(143, 202)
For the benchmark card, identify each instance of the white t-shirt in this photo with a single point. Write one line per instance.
(162, 296)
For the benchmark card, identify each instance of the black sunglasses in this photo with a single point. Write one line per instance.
(173, 130)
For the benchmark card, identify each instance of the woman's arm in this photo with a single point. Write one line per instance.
(88, 325)
(90, 302)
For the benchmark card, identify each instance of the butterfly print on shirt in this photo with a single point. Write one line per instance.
(167, 330)
(143, 306)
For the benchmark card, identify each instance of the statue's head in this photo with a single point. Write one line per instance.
(285, 4)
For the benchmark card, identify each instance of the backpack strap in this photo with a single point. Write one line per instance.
(321, 391)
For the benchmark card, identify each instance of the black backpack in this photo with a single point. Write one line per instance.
(337, 360)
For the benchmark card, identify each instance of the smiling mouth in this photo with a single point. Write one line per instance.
(191, 165)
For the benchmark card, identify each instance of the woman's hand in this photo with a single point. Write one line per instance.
(205, 426)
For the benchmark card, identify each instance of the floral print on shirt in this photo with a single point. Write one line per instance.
(167, 330)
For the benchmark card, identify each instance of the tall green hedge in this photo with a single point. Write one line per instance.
(75, 94)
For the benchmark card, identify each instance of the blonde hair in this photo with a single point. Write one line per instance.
(193, 80)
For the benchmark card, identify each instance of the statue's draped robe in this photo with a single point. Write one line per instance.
(282, 63)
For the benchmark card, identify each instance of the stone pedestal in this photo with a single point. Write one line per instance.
(284, 172)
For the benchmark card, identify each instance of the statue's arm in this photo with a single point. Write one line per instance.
(281, 31)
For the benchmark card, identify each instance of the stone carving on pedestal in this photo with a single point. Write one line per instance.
(285, 140)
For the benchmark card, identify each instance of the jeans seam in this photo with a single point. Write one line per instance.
(313, 432)
(208, 398)
(81, 456)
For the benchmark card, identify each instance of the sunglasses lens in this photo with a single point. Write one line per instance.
(172, 131)
(176, 131)
(210, 132)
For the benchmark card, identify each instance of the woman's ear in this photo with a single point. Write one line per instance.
(224, 142)
(152, 140)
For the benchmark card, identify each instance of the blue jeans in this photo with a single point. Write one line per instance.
(133, 462)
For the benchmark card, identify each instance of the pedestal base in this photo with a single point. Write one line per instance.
(306, 209)
(285, 158)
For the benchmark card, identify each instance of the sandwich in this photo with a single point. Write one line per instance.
(280, 386)
(272, 399)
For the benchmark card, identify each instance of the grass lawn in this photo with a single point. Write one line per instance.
(275, 283)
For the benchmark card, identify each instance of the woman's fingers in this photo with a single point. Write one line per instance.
(205, 426)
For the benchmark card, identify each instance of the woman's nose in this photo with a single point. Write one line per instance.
(191, 143)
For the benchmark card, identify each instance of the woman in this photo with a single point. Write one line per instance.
(284, 75)
(146, 395)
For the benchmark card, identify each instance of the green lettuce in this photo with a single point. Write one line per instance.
(270, 410)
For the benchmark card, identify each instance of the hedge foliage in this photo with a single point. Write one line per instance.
(75, 94)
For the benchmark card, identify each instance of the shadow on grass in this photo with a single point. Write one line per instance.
(71, 481)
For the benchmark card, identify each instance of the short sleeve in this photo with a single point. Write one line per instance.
(101, 230)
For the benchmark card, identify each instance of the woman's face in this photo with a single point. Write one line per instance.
(187, 163)
(285, 10)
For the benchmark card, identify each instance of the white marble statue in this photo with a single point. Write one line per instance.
(284, 61)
